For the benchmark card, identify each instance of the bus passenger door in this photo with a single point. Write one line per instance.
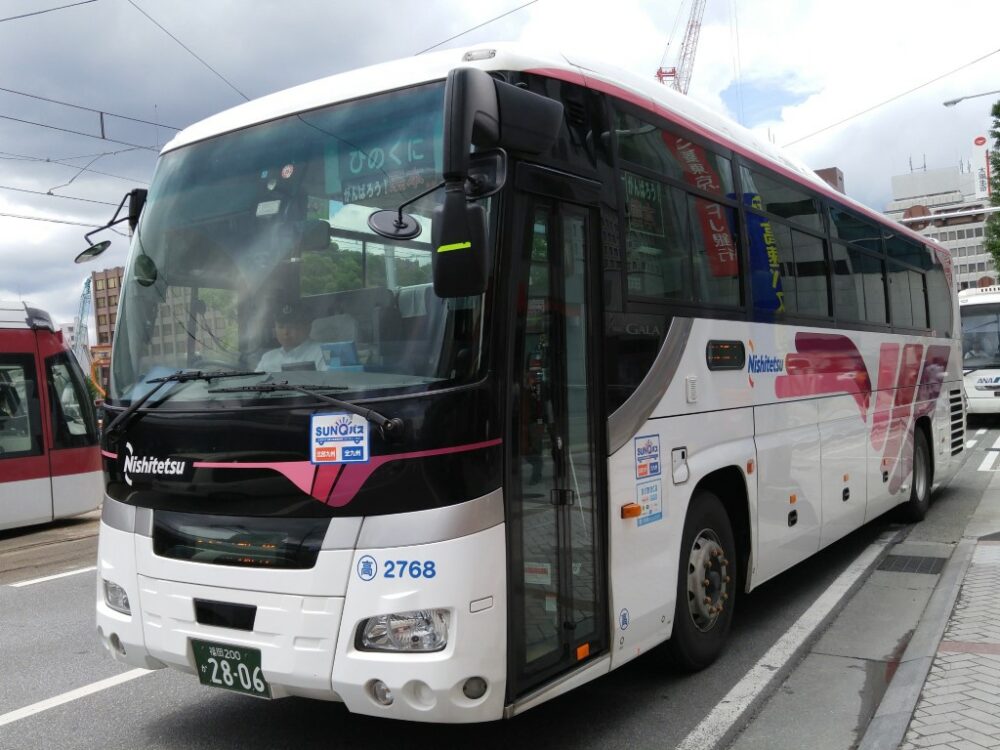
(556, 471)
(25, 489)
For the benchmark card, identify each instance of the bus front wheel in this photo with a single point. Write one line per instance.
(706, 584)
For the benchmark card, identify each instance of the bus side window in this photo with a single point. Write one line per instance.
(20, 427)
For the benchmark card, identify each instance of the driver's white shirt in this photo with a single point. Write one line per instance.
(307, 351)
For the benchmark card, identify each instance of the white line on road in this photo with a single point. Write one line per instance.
(971, 443)
(715, 727)
(53, 577)
(996, 444)
(72, 695)
(980, 432)
(987, 464)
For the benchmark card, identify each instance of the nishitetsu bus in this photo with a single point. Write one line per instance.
(486, 373)
(980, 311)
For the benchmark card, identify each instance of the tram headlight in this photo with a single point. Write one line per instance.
(116, 598)
(421, 630)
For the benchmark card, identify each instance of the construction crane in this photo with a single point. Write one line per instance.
(679, 78)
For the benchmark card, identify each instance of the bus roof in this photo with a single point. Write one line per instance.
(594, 74)
(983, 295)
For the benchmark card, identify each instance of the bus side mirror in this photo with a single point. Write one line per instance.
(483, 112)
(136, 200)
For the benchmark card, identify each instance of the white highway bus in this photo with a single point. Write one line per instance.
(980, 311)
(444, 386)
(50, 465)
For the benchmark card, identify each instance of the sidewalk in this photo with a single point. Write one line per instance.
(946, 693)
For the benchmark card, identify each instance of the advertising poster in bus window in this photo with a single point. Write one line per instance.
(765, 263)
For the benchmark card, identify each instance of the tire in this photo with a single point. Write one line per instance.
(920, 483)
(700, 630)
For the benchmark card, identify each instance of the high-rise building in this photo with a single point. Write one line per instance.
(106, 288)
(948, 205)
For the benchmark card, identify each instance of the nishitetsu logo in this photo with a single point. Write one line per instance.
(150, 466)
(343, 430)
(765, 363)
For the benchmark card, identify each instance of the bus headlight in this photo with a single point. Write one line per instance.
(421, 630)
(116, 598)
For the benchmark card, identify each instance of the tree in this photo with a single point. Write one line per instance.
(992, 238)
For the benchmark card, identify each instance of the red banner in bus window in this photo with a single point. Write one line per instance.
(715, 231)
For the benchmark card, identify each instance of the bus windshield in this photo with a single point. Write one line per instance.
(981, 336)
(254, 253)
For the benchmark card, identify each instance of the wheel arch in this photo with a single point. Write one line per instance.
(729, 484)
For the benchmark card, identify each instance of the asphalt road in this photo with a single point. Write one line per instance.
(48, 646)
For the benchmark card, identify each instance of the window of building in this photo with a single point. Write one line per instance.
(112, 282)
(979, 231)
(961, 234)
(99, 284)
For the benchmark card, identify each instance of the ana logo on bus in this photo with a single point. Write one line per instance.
(344, 429)
(765, 363)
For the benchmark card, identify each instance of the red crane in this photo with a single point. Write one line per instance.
(679, 78)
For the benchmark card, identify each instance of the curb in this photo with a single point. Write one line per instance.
(738, 706)
(892, 718)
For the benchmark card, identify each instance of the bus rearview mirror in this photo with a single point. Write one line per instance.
(459, 259)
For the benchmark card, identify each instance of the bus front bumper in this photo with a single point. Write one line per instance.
(308, 643)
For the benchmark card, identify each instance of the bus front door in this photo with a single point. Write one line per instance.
(555, 499)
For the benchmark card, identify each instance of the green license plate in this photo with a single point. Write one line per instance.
(230, 668)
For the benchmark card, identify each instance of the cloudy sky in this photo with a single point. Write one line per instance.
(789, 69)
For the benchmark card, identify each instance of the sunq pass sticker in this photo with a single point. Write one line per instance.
(338, 439)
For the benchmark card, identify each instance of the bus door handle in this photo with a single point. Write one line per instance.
(562, 497)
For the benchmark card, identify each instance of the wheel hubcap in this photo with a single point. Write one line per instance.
(708, 580)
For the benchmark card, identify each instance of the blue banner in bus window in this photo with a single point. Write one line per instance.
(765, 265)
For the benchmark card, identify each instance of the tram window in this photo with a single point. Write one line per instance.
(20, 426)
(782, 199)
(674, 155)
(72, 418)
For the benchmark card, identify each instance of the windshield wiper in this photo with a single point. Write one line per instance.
(390, 428)
(119, 423)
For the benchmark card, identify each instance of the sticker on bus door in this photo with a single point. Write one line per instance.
(647, 456)
(338, 439)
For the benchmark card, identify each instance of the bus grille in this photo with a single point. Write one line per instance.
(957, 422)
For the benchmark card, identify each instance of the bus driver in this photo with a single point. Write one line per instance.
(296, 351)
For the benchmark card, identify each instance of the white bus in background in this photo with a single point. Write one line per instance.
(980, 311)
(552, 404)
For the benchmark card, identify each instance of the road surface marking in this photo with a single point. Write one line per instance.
(970, 443)
(744, 694)
(980, 432)
(72, 695)
(53, 577)
(987, 464)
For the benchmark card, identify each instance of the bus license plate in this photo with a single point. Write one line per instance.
(230, 668)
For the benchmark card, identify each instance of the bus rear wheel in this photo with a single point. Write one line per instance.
(706, 585)
(920, 482)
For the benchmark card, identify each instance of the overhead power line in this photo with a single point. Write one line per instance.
(88, 109)
(47, 10)
(894, 98)
(63, 163)
(51, 221)
(188, 50)
(54, 195)
(77, 132)
(477, 26)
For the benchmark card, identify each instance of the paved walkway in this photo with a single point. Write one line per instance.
(959, 707)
